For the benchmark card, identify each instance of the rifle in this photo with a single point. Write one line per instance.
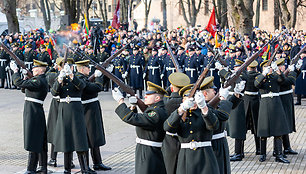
(294, 60)
(232, 79)
(17, 60)
(199, 81)
(114, 78)
(65, 57)
(273, 55)
(175, 62)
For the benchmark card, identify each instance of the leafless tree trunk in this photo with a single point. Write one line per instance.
(72, 9)
(103, 9)
(164, 7)
(242, 14)
(124, 5)
(44, 7)
(277, 14)
(289, 15)
(85, 7)
(221, 12)
(257, 16)
(193, 10)
(9, 9)
(147, 11)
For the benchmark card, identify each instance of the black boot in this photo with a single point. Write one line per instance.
(257, 144)
(2, 83)
(97, 160)
(32, 163)
(67, 162)
(263, 149)
(298, 99)
(287, 147)
(42, 163)
(275, 149)
(53, 155)
(84, 163)
(238, 153)
(278, 151)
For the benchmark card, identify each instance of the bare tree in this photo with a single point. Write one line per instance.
(221, 12)
(242, 14)
(85, 7)
(102, 4)
(72, 9)
(257, 16)
(289, 15)
(147, 4)
(44, 7)
(164, 7)
(9, 9)
(193, 10)
(124, 7)
(277, 14)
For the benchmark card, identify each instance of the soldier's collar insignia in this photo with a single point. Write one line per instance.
(152, 113)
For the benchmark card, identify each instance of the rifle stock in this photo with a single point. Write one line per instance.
(17, 60)
(272, 57)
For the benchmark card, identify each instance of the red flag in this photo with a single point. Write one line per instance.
(116, 21)
(211, 26)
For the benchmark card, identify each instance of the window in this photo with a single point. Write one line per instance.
(109, 8)
(206, 7)
(264, 5)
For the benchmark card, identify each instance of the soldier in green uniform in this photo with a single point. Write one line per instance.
(70, 130)
(149, 128)
(17, 51)
(286, 96)
(272, 118)
(34, 123)
(29, 55)
(92, 112)
(44, 55)
(171, 144)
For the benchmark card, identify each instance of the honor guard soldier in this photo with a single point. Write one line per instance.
(171, 144)
(102, 56)
(70, 130)
(271, 118)
(301, 80)
(4, 60)
(29, 56)
(90, 53)
(34, 123)
(17, 51)
(92, 112)
(286, 96)
(153, 68)
(191, 65)
(44, 55)
(181, 55)
(200, 58)
(168, 67)
(51, 76)
(232, 56)
(135, 69)
(149, 128)
(120, 65)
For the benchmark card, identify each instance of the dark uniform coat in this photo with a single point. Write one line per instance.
(301, 80)
(153, 69)
(171, 145)
(4, 60)
(19, 54)
(168, 68)
(191, 68)
(120, 66)
(287, 100)
(29, 56)
(101, 58)
(149, 126)
(34, 122)
(92, 111)
(271, 112)
(70, 130)
(197, 127)
(45, 57)
(135, 69)
(212, 71)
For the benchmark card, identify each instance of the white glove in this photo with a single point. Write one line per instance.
(187, 104)
(110, 68)
(125, 75)
(161, 76)
(291, 67)
(218, 65)
(67, 69)
(266, 71)
(133, 100)
(239, 87)
(299, 64)
(7, 68)
(223, 92)
(144, 75)
(98, 73)
(61, 75)
(117, 95)
(274, 66)
(13, 66)
(200, 99)
(24, 72)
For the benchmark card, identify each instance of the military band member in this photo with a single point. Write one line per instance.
(70, 130)
(92, 112)
(271, 112)
(171, 144)
(153, 68)
(34, 123)
(149, 128)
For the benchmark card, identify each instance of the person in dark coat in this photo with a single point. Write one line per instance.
(286, 96)
(213, 71)
(272, 118)
(149, 128)
(171, 144)
(191, 65)
(70, 130)
(153, 68)
(102, 56)
(29, 56)
(168, 67)
(44, 55)
(4, 60)
(92, 112)
(295, 49)
(34, 123)
(301, 79)
(135, 71)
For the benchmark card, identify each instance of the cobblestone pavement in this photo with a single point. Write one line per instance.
(119, 150)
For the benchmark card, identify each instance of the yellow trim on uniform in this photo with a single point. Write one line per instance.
(126, 115)
(223, 111)
(169, 124)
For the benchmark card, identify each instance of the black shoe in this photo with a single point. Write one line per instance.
(274, 154)
(236, 157)
(101, 167)
(52, 163)
(280, 158)
(41, 169)
(290, 151)
(298, 103)
(262, 158)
